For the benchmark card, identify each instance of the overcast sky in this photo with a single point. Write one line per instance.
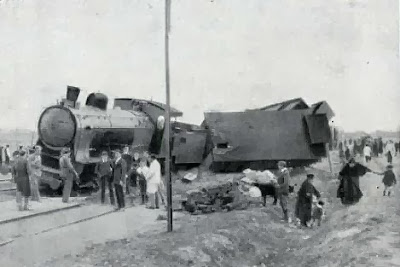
(225, 55)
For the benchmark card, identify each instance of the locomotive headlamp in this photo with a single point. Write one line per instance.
(160, 122)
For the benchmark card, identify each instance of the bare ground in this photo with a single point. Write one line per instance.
(366, 234)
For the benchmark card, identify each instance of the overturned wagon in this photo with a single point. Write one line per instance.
(258, 139)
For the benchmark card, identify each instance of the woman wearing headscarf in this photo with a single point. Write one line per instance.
(304, 201)
(349, 190)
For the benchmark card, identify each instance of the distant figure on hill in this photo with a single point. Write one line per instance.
(375, 149)
(380, 146)
(7, 153)
(367, 153)
(342, 155)
(347, 154)
(349, 188)
(390, 151)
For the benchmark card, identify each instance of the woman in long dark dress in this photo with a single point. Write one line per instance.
(349, 190)
(305, 199)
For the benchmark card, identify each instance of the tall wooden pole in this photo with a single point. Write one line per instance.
(168, 117)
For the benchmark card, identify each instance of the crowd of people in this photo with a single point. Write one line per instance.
(132, 175)
(124, 174)
(368, 148)
(309, 205)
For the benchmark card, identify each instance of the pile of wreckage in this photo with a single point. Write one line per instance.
(236, 193)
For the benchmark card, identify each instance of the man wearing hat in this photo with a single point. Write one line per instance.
(68, 173)
(119, 178)
(21, 178)
(305, 199)
(103, 171)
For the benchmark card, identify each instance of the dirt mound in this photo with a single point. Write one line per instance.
(365, 234)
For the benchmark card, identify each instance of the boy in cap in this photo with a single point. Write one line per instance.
(104, 172)
(389, 180)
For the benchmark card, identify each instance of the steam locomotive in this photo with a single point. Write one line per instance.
(91, 129)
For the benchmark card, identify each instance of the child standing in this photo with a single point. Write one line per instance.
(389, 179)
(318, 213)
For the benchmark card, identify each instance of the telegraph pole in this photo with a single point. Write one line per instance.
(168, 117)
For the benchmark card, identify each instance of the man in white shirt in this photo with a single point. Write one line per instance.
(153, 178)
(367, 153)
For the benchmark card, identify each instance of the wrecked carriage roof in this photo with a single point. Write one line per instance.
(174, 112)
(291, 104)
(262, 135)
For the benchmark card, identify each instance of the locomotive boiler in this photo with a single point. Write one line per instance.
(92, 128)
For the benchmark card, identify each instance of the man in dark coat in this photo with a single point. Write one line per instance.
(119, 178)
(142, 181)
(349, 188)
(380, 146)
(21, 178)
(133, 175)
(128, 160)
(104, 173)
(375, 148)
(305, 200)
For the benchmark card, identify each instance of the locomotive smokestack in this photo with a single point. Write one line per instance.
(73, 93)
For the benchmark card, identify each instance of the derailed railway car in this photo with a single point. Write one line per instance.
(87, 131)
(91, 129)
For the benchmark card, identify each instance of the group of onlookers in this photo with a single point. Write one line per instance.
(125, 172)
(5, 154)
(368, 149)
(307, 211)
